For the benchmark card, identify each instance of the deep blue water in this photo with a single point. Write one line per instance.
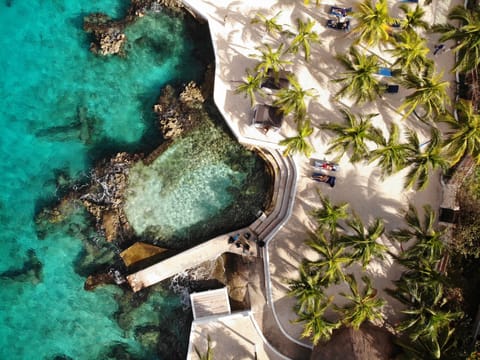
(50, 83)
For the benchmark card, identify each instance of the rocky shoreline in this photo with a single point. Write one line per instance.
(104, 196)
(178, 110)
(108, 36)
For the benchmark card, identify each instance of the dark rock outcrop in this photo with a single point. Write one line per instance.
(179, 114)
(104, 198)
(108, 36)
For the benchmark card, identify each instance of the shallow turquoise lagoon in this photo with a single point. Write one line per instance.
(51, 86)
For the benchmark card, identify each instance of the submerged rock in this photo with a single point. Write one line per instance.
(31, 270)
(100, 279)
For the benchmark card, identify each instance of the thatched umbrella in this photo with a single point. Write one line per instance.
(369, 342)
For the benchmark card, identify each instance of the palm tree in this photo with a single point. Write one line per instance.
(430, 92)
(306, 290)
(373, 22)
(427, 325)
(304, 38)
(329, 215)
(391, 154)
(316, 326)
(424, 161)
(208, 355)
(292, 99)
(364, 241)
(427, 347)
(413, 18)
(270, 60)
(465, 36)
(332, 259)
(252, 84)
(428, 241)
(352, 135)
(271, 24)
(359, 80)
(299, 143)
(364, 306)
(465, 138)
(410, 51)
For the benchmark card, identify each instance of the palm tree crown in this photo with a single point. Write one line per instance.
(359, 80)
(352, 135)
(428, 241)
(251, 85)
(304, 37)
(316, 326)
(329, 215)
(410, 51)
(466, 36)
(292, 99)
(270, 60)
(465, 138)
(271, 24)
(413, 18)
(430, 92)
(306, 289)
(424, 161)
(363, 306)
(300, 142)
(364, 241)
(391, 154)
(373, 22)
(331, 261)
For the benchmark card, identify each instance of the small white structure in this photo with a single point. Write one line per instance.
(210, 303)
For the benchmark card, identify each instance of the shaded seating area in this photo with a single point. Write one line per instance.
(267, 117)
(277, 81)
(321, 177)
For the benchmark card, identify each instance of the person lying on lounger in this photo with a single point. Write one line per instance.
(330, 180)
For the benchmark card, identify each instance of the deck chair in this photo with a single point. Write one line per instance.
(383, 71)
(337, 25)
(392, 89)
(321, 177)
(339, 11)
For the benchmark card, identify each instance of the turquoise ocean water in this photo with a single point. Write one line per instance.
(50, 84)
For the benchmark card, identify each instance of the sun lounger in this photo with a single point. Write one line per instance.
(392, 89)
(339, 11)
(320, 177)
(383, 71)
(339, 25)
(325, 165)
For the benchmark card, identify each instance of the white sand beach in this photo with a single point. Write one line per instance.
(360, 184)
